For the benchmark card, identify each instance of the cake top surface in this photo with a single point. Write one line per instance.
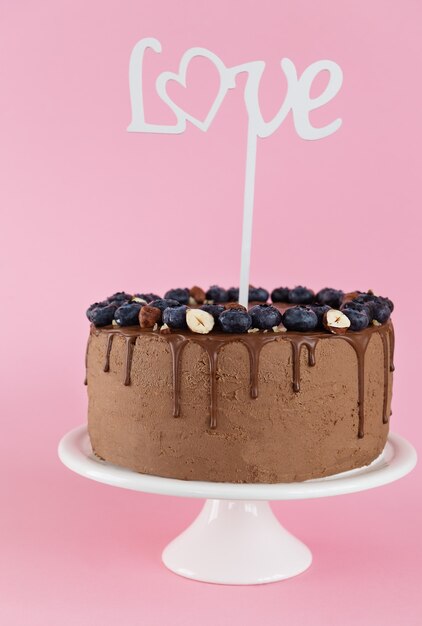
(217, 311)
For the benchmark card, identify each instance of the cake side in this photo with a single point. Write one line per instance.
(241, 408)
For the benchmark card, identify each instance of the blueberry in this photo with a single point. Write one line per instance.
(380, 308)
(128, 314)
(148, 297)
(96, 305)
(353, 304)
(359, 306)
(319, 310)
(213, 309)
(233, 294)
(264, 316)
(301, 295)
(217, 294)
(181, 295)
(175, 316)
(281, 294)
(300, 318)
(255, 294)
(381, 311)
(164, 303)
(101, 315)
(234, 321)
(119, 296)
(359, 318)
(258, 294)
(332, 297)
(369, 300)
(366, 297)
(388, 302)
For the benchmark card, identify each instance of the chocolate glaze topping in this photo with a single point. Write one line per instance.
(254, 342)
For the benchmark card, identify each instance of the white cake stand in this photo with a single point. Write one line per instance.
(236, 539)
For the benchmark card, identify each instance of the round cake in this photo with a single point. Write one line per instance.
(195, 387)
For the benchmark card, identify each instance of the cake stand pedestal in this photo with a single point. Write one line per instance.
(236, 539)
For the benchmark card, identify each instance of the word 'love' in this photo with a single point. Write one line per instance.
(297, 100)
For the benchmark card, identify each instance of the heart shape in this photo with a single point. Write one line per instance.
(226, 82)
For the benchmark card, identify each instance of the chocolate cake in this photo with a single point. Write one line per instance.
(193, 386)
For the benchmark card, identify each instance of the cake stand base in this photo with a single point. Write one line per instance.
(236, 539)
(238, 542)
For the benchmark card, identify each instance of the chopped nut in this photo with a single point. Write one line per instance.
(199, 321)
(155, 327)
(136, 299)
(253, 330)
(350, 296)
(114, 323)
(335, 321)
(279, 329)
(197, 294)
(192, 301)
(165, 329)
(148, 316)
(376, 323)
(235, 305)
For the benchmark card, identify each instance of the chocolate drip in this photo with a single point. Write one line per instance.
(130, 344)
(176, 344)
(392, 341)
(108, 351)
(253, 369)
(212, 352)
(297, 343)
(311, 353)
(254, 342)
(359, 342)
(86, 360)
(296, 350)
(254, 350)
(386, 370)
(254, 355)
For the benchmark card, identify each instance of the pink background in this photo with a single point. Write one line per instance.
(89, 209)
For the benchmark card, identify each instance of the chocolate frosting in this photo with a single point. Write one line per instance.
(254, 342)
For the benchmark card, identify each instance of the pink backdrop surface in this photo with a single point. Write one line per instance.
(88, 209)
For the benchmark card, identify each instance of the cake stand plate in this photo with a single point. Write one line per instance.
(236, 539)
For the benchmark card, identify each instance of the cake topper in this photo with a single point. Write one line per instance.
(297, 100)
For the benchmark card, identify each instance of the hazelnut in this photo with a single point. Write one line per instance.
(197, 294)
(148, 316)
(199, 321)
(235, 305)
(335, 321)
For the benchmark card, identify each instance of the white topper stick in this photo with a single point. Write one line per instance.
(248, 202)
(297, 100)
